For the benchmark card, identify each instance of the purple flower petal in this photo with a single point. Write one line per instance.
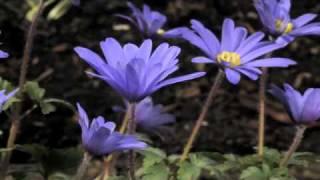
(272, 62)
(3, 54)
(232, 76)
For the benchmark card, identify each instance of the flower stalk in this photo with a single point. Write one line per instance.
(262, 109)
(82, 169)
(131, 130)
(213, 91)
(294, 146)
(15, 122)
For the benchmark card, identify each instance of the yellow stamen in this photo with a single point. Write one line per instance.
(282, 27)
(160, 31)
(230, 57)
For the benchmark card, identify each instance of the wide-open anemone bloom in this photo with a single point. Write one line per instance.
(303, 108)
(5, 97)
(135, 72)
(99, 137)
(3, 54)
(147, 21)
(237, 53)
(275, 17)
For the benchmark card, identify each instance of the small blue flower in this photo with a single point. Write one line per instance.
(149, 116)
(275, 16)
(147, 21)
(3, 54)
(135, 72)
(236, 53)
(4, 98)
(99, 137)
(303, 108)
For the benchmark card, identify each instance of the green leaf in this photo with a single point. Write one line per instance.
(4, 84)
(47, 108)
(59, 176)
(9, 103)
(158, 171)
(272, 156)
(253, 173)
(152, 156)
(59, 10)
(200, 160)
(188, 171)
(34, 91)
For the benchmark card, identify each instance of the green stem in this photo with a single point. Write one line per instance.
(15, 122)
(262, 109)
(82, 169)
(213, 91)
(294, 146)
(131, 130)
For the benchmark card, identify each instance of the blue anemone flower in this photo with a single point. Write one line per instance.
(3, 54)
(303, 108)
(236, 54)
(99, 137)
(135, 72)
(147, 21)
(275, 17)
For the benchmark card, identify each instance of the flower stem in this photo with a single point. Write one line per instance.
(213, 91)
(296, 142)
(15, 122)
(262, 107)
(131, 130)
(126, 119)
(110, 160)
(82, 169)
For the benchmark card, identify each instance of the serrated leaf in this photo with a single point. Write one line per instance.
(158, 171)
(272, 156)
(200, 160)
(152, 156)
(188, 171)
(47, 108)
(253, 173)
(34, 91)
(59, 10)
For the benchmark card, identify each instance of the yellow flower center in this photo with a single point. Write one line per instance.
(282, 27)
(160, 31)
(230, 57)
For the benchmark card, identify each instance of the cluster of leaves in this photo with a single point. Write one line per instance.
(157, 165)
(36, 94)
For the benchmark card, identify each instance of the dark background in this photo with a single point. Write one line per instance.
(231, 125)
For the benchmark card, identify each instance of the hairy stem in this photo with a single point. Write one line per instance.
(15, 122)
(262, 109)
(213, 91)
(82, 169)
(295, 144)
(131, 130)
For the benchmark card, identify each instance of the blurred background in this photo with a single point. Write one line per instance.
(231, 126)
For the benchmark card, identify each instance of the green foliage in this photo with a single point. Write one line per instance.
(188, 171)
(37, 94)
(154, 166)
(60, 8)
(64, 161)
(158, 171)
